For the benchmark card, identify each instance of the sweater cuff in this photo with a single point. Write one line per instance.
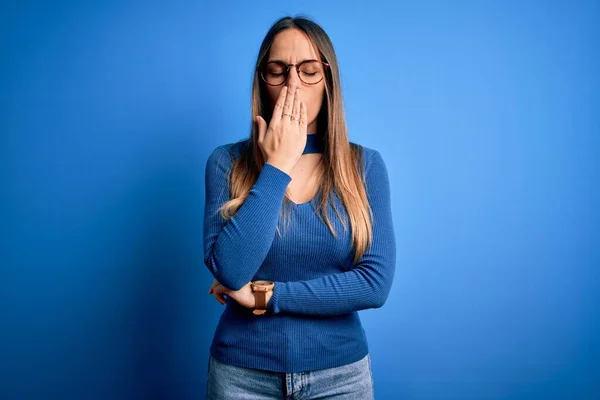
(273, 304)
(273, 177)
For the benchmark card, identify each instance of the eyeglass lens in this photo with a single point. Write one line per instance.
(275, 72)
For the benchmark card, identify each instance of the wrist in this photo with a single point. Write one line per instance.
(285, 167)
(263, 291)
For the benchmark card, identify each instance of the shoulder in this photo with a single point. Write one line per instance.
(371, 158)
(375, 175)
(225, 154)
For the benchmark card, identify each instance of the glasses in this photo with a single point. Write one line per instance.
(310, 72)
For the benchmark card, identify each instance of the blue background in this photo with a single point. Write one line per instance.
(486, 113)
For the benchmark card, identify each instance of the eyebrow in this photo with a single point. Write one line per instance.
(281, 61)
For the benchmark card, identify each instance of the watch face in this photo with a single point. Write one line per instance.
(262, 285)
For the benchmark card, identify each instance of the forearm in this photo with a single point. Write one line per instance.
(235, 249)
(358, 289)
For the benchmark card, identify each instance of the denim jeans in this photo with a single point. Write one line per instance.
(347, 382)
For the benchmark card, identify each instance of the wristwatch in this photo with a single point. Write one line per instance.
(260, 289)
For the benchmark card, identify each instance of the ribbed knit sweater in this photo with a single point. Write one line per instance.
(312, 320)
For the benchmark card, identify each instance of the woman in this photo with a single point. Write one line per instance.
(292, 286)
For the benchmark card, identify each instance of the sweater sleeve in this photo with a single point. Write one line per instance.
(234, 249)
(368, 283)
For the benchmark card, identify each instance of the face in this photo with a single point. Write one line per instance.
(292, 46)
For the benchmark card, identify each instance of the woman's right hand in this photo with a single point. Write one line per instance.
(283, 142)
(214, 290)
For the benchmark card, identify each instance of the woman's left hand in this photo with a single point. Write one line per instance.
(244, 296)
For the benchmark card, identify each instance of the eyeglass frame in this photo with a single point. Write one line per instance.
(287, 71)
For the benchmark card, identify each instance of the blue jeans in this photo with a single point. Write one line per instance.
(347, 382)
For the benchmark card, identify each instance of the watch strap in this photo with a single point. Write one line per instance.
(261, 302)
(260, 289)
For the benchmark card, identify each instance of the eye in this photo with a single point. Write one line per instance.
(276, 68)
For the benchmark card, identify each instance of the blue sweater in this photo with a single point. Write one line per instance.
(311, 321)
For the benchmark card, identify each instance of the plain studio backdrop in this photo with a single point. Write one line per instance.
(485, 112)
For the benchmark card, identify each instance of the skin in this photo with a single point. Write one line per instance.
(293, 46)
(283, 140)
(244, 296)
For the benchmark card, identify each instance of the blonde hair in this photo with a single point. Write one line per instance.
(341, 165)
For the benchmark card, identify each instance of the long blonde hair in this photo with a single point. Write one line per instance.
(342, 166)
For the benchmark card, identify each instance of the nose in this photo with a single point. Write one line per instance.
(293, 78)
